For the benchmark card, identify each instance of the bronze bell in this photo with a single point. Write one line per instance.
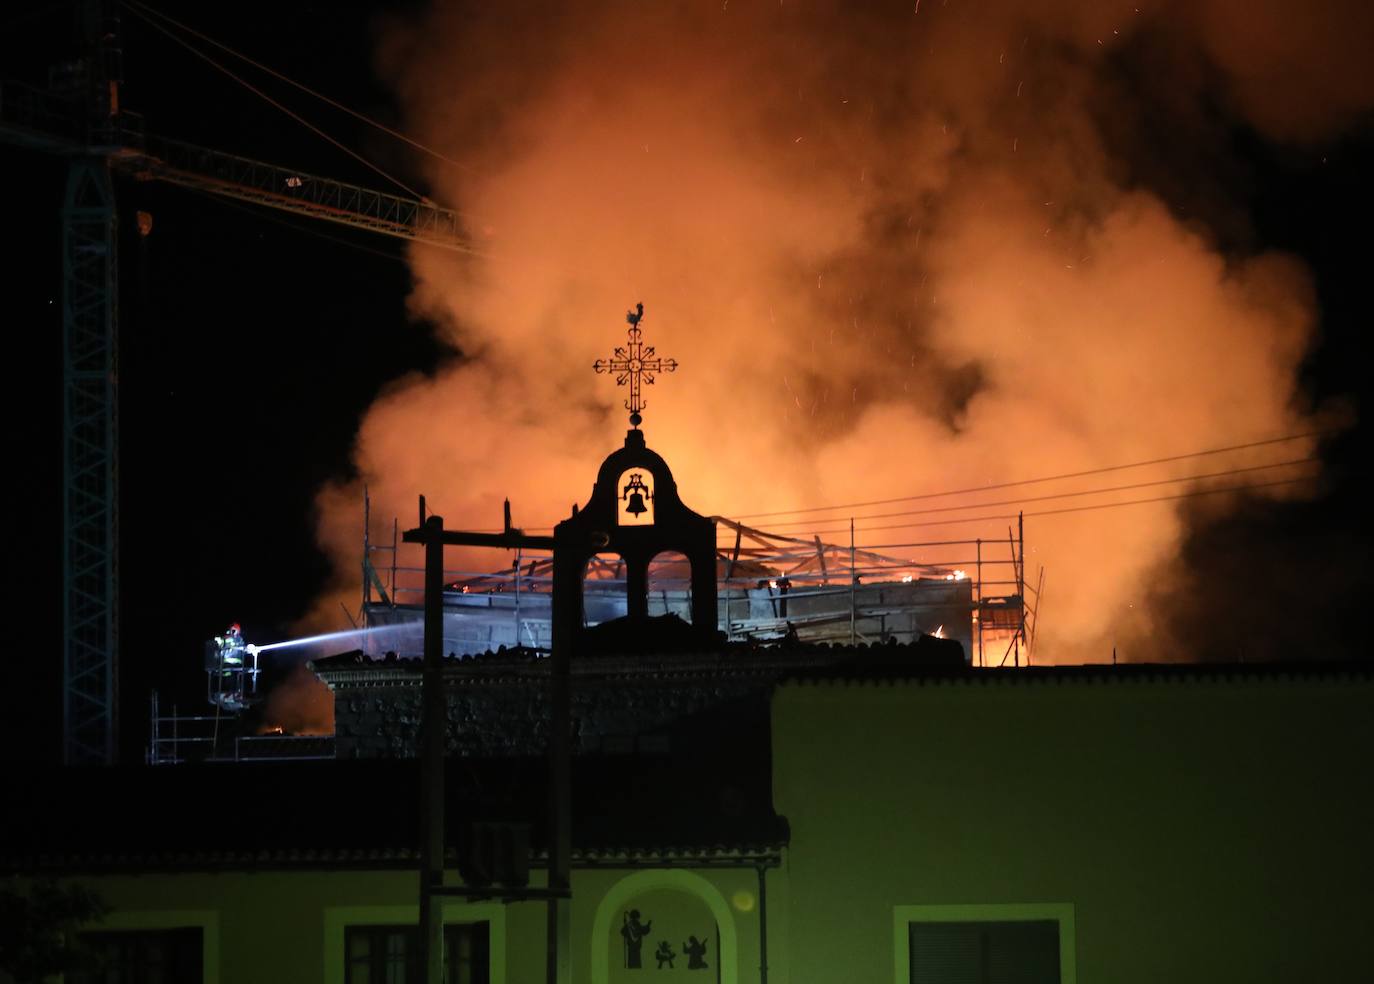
(636, 505)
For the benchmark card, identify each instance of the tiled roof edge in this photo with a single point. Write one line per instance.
(1081, 675)
(305, 859)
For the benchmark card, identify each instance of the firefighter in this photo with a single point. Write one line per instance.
(231, 646)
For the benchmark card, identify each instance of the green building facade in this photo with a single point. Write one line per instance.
(1181, 824)
(1054, 824)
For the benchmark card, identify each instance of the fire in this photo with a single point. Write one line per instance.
(902, 279)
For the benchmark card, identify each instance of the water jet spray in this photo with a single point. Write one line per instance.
(314, 639)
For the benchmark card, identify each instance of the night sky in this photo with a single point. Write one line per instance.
(253, 342)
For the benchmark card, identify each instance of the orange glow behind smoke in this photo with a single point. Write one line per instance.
(892, 255)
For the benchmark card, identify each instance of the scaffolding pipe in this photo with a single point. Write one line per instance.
(367, 553)
(1021, 586)
(979, 608)
(853, 584)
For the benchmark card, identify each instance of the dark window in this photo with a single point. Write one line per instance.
(1021, 952)
(158, 956)
(391, 954)
(467, 953)
(380, 955)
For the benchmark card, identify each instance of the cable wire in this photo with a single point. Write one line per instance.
(1059, 495)
(290, 81)
(1043, 512)
(1034, 481)
(1029, 481)
(1068, 509)
(266, 98)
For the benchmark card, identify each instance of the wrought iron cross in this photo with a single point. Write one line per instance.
(635, 363)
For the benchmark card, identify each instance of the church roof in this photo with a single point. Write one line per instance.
(1182, 674)
(648, 648)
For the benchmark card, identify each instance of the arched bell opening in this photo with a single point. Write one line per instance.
(670, 585)
(603, 588)
(636, 495)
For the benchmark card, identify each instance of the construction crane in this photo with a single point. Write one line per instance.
(79, 117)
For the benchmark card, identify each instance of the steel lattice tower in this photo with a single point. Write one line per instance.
(81, 120)
(90, 480)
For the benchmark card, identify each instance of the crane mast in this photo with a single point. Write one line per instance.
(90, 466)
(79, 117)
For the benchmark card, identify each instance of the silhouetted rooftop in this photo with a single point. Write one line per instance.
(364, 813)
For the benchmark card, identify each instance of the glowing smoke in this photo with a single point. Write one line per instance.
(895, 250)
(299, 705)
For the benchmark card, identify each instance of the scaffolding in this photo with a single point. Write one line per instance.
(219, 737)
(229, 733)
(770, 586)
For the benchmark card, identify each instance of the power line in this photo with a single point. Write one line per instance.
(1029, 481)
(1061, 495)
(290, 81)
(1034, 481)
(1168, 498)
(266, 98)
(1068, 509)
(1001, 517)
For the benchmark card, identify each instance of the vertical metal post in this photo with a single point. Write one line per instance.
(1021, 586)
(90, 477)
(517, 595)
(853, 585)
(433, 717)
(566, 601)
(979, 546)
(367, 554)
(558, 968)
(153, 732)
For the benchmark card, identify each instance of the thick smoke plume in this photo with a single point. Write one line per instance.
(300, 705)
(896, 248)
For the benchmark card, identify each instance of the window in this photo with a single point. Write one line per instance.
(391, 954)
(1000, 952)
(381, 954)
(159, 956)
(467, 957)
